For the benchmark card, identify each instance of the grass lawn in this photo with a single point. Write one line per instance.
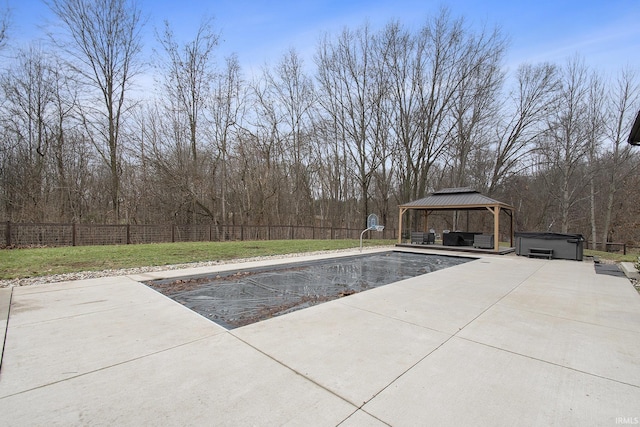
(22, 263)
(613, 256)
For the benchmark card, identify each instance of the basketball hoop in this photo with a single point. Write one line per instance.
(372, 221)
(372, 225)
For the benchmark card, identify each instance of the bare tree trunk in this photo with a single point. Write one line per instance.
(592, 211)
(595, 126)
(566, 199)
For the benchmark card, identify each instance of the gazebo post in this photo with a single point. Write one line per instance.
(402, 211)
(496, 228)
(512, 233)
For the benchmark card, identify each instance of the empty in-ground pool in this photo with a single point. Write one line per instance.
(234, 299)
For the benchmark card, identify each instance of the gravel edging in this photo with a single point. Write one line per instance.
(82, 275)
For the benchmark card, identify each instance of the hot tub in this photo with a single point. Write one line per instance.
(564, 246)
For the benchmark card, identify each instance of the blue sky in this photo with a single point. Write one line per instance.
(606, 32)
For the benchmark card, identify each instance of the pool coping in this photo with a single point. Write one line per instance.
(259, 311)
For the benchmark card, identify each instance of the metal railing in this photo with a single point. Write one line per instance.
(613, 247)
(51, 234)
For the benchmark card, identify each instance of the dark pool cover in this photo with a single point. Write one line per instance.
(247, 296)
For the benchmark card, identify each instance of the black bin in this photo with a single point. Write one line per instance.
(564, 246)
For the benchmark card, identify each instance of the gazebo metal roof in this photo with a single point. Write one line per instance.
(459, 199)
(455, 199)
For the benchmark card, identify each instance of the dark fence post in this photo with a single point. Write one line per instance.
(74, 234)
(7, 234)
(173, 233)
(128, 234)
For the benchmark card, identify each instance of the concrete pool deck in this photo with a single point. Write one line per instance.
(501, 340)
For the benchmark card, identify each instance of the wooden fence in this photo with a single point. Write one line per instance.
(48, 234)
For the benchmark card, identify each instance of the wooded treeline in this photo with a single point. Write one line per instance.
(380, 118)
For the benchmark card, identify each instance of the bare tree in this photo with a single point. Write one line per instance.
(187, 72)
(37, 117)
(103, 43)
(475, 102)
(5, 22)
(441, 47)
(595, 134)
(448, 58)
(294, 99)
(351, 96)
(525, 119)
(69, 151)
(27, 90)
(335, 183)
(623, 105)
(227, 115)
(262, 153)
(566, 140)
(189, 69)
(596, 117)
(442, 81)
(403, 65)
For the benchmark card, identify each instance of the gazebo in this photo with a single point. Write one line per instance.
(459, 199)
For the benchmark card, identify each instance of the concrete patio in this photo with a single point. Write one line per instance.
(501, 340)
